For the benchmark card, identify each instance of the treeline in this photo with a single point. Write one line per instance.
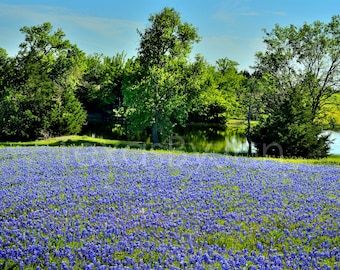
(51, 86)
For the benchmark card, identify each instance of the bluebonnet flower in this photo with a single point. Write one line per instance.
(97, 207)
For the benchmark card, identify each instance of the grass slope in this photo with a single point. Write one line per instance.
(75, 140)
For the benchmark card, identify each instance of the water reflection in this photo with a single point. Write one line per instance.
(196, 138)
(217, 139)
(103, 130)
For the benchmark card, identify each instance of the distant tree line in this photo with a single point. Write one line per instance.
(50, 87)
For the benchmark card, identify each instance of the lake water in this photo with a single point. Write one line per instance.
(233, 140)
(198, 138)
(335, 146)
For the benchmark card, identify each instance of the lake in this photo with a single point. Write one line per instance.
(335, 146)
(197, 138)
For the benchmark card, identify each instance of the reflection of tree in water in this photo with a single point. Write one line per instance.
(204, 132)
(103, 129)
(235, 140)
(204, 138)
(201, 138)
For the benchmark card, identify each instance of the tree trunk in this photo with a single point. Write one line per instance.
(249, 135)
(155, 139)
(248, 126)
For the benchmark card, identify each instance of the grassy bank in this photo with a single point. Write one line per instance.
(75, 140)
(331, 160)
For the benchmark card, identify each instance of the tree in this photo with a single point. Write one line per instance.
(250, 98)
(162, 99)
(308, 56)
(40, 101)
(166, 38)
(288, 129)
(304, 67)
(158, 94)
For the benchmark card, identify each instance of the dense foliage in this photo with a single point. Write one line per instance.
(288, 128)
(95, 208)
(160, 93)
(303, 65)
(50, 87)
(45, 89)
(100, 90)
(37, 87)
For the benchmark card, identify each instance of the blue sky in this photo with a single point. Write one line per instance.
(229, 28)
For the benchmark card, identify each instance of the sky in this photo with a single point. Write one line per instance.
(230, 29)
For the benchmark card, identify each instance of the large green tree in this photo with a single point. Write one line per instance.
(166, 38)
(162, 99)
(303, 65)
(158, 95)
(38, 99)
(308, 56)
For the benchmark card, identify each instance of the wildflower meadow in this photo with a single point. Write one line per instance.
(105, 208)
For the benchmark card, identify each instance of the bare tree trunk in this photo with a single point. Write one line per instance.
(155, 139)
(248, 123)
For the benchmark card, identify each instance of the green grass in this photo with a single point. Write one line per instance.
(331, 160)
(75, 140)
(240, 123)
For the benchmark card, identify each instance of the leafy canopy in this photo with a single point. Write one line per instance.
(167, 38)
(303, 65)
(38, 96)
(158, 94)
(308, 56)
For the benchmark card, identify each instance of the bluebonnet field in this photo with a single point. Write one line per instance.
(101, 208)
